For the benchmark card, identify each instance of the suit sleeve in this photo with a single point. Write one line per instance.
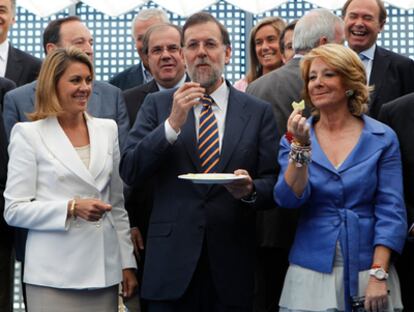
(10, 113)
(146, 145)
(22, 208)
(118, 210)
(390, 213)
(122, 119)
(268, 167)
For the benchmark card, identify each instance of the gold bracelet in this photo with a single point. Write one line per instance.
(72, 209)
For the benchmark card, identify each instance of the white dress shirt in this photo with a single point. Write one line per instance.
(221, 98)
(367, 57)
(4, 55)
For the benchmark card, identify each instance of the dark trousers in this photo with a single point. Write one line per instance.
(6, 277)
(270, 271)
(404, 266)
(200, 296)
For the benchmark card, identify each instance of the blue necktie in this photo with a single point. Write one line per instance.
(208, 137)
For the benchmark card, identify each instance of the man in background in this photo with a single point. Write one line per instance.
(391, 74)
(139, 74)
(15, 64)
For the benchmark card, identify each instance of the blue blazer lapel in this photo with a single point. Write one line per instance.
(369, 143)
(318, 155)
(237, 118)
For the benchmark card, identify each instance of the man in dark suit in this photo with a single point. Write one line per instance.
(6, 234)
(20, 66)
(137, 75)
(162, 48)
(391, 74)
(200, 245)
(277, 227)
(399, 115)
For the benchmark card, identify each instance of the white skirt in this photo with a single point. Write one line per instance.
(308, 290)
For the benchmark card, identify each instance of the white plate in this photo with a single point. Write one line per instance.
(211, 178)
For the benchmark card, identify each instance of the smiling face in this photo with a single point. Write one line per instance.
(74, 88)
(288, 53)
(6, 18)
(76, 34)
(165, 57)
(362, 24)
(325, 87)
(267, 48)
(205, 55)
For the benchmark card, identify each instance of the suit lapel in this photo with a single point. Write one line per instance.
(236, 121)
(99, 145)
(14, 66)
(62, 149)
(368, 143)
(94, 103)
(378, 73)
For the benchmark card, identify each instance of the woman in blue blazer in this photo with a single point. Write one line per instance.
(63, 185)
(343, 170)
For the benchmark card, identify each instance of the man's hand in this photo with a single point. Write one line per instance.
(240, 188)
(137, 241)
(129, 283)
(184, 99)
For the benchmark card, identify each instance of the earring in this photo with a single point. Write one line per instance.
(349, 93)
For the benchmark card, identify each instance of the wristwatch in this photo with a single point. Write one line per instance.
(379, 273)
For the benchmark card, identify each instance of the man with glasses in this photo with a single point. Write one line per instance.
(201, 237)
(162, 49)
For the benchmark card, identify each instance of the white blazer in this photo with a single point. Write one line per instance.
(44, 173)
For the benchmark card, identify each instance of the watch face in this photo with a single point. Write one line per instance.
(380, 274)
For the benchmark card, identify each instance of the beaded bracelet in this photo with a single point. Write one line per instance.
(300, 154)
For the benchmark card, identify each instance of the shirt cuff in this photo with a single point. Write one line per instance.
(170, 133)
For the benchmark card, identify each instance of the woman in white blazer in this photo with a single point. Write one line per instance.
(63, 185)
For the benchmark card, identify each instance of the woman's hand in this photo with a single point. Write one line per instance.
(376, 295)
(129, 283)
(90, 209)
(298, 127)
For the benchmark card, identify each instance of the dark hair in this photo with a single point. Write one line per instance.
(156, 27)
(52, 31)
(290, 26)
(202, 18)
(382, 10)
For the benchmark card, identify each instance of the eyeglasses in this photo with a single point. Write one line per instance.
(158, 50)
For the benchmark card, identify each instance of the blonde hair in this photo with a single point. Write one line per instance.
(349, 67)
(53, 67)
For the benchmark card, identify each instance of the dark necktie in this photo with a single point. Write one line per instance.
(208, 137)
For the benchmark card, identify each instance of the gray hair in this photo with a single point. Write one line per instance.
(312, 27)
(147, 14)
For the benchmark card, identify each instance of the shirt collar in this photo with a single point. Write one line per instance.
(4, 49)
(146, 73)
(179, 84)
(221, 95)
(369, 53)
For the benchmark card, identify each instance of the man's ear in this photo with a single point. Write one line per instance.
(227, 56)
(50, 47)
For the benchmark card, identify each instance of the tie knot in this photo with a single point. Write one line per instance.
(363, 57)
(207, 100)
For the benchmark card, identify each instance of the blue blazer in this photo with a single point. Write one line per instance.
(360, 204)
(185, 215)
(106, 101)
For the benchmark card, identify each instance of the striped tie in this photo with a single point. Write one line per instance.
(208, 137)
